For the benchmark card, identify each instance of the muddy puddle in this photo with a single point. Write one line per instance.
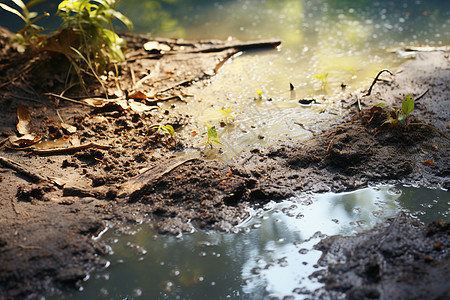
(329, 48)
(269, 255)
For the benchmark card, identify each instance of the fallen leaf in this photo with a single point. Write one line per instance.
(100, 102)
(138, 95)
(23, 120)
(429, 163)
(69, 128)
(154, 46)
(25, 140)
(139, 107)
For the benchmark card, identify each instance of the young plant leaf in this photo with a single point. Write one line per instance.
(380, 104)
(170, 130)
(259, 93)
(408, 105)
(212, 132)
(12, 10)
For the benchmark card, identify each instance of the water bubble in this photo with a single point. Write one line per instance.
(136, 292)
(394, 191)
(204, 244)
(104, 292)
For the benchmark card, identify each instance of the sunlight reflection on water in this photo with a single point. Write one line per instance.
(271, 255)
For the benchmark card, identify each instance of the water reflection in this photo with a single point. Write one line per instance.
(271, 255)
(344, 40)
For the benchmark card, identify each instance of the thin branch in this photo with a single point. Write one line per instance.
(29, 247)
(21, 170)
(69, 149)
(376, 79)
(67, 99)
(421, 96)
(4, 141)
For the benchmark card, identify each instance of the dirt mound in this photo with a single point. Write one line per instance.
(398, 260)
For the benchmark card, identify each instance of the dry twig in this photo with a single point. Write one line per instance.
(376, 79)
(70, 149)
(20, 169)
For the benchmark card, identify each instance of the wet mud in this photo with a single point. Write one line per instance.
(54, 203)
(401, 259)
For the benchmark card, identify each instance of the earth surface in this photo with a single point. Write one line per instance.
(100, 160)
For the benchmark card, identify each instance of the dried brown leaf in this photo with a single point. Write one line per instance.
(139, 107)
(429, 163)
(69, 128)
(23, 120)
(138, 95)
(25, 140)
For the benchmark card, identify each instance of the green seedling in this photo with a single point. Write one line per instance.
(228, 116)
(166, 128)
(91, 21)
(397, 116)
(323, 77)
(86, 37)
(30, 33)
(212, 137)
(259, 93)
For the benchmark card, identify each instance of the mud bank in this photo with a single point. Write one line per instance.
(48, 221)
(398, 260)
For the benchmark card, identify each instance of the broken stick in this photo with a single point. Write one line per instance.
(20, 169)
(70, 149)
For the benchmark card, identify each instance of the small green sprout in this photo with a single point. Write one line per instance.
(397, 116)
(212, 136)
(322, 77)
(228, 117)
(166, 128)
(259, 93)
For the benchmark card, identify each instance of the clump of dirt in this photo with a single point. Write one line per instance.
(401, 259)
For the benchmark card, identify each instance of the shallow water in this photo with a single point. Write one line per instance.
(343, 41)
(270, 255)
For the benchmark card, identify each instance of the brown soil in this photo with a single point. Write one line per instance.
(53, 203)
